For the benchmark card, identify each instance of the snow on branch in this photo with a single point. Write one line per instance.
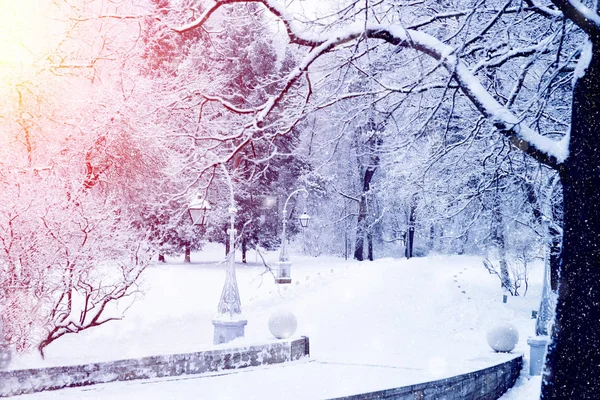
(227, 104)
(533, 6)
(544, 10)
(543, 149)
(277, 9)
(581, 15)
(514, 53)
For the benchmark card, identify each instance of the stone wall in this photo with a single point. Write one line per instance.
(36, 380)
(486, 384)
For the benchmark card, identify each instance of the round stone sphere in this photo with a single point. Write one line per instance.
(503, 337)
(282, 324)
(5, 356)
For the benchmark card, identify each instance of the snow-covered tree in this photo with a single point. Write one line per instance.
(242, 63)
(74, 181)
(513, 61)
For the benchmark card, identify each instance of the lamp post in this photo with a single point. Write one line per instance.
(229, 322)
(545, 313)
(284, 272)
(539, 343)
(546, 310)
(304, 219)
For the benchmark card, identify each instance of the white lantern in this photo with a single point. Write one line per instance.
(304, 218)
(198, 210)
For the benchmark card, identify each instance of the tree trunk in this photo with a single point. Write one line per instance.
(573, 361)
(555, 250)
(361, 228)
(370, 166)
(499, 242)
(370, 245)
(410, 238)
(463, 240)
(244, 250)
(188, 252)
(555, 235)
(431, 240)
(410, 235)
(346, 244)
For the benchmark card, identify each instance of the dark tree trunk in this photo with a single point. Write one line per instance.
(361, 228)
(244, 250)
(370, 166)
(463, 240)
(573, 361)
(555, 249)
(188, 253)
(410, 235)
(161, 258)
(431, 241)
(370, 246)
(408, 240)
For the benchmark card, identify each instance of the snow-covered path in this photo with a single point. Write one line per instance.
(371, 325)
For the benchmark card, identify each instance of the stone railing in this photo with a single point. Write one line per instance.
(24, 381)
(485, 384)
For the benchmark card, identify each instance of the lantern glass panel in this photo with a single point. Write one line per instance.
(304, 218)
(198, 216)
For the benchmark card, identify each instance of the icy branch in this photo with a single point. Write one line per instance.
(227, 104)
(200, 21)
(581, 15)
(514, 53)
(543, 149)
(277, 9)
(544, 10)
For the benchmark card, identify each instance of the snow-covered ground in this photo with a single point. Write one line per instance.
(372, 325)
(526, 388)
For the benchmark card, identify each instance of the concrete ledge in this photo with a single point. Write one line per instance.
(485, 384)
(36, 380)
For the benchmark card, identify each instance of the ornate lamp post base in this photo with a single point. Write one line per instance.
(284, 274)
(226, 331)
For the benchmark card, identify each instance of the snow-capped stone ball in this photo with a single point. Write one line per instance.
(282, 324)
(503, 337)
(5, 356)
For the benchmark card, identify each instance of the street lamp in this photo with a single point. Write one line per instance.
(304, 219)
(229, 322)
(285, 265)
(538, 343)
(198, 210)
(545, 313)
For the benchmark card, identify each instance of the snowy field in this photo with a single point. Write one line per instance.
(372, 326)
